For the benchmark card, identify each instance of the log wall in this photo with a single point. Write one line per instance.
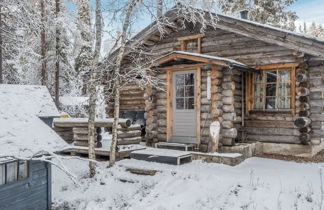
(316, 95)
(260, 126)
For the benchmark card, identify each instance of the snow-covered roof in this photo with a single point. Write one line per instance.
(74, 101)
(36, 99)
(22, 133)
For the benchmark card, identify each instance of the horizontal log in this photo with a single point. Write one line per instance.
(272, 131)
(83, 122)
(302, 122)
(229, 116)
(274, 138)
(128, 141)
(227, 141)
(303, 99)
(227, 124)
(304, 106)
(304, 113)
(301, 78)
(269, 124)
(305, 130)
(228, 100)
(129, 134)
(229, 133)
(78, 137)
(303, 91)
(228, 108)
(305, 138)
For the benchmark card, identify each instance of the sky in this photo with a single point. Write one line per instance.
(309, 11)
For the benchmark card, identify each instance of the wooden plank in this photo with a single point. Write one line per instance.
(198, 104)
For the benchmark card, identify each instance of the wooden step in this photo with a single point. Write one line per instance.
(162, 156)
(175, 146)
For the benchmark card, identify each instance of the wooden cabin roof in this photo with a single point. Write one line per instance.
(269, 34)
(204, 59)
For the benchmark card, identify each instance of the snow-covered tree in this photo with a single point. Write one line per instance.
(84, 58)
(314, 30)
(272, 12)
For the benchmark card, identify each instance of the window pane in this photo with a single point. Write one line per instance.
(270, 103)
(271, 90)
(284, 89)
(189, 79)
(284, 76)
(2, 174)
(23, 170)
(258, 90)
(180, 91)
(258, 103)
(192, 46)
(190, 103)
(190, 91)
(258, 78)
(11, 172)
(283, 102)
(180, 103)
(272, 76)
(179, 80)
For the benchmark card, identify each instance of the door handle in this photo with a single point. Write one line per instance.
(194, 104)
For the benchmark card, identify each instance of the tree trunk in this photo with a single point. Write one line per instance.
(43, 44)
(92, 91)
(159, 8)
(57, 51)
(130, 7)
(1, 71)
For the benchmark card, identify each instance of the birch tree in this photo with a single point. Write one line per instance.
(43, 43)
(92, 89)
(128, 13)
(57, 55)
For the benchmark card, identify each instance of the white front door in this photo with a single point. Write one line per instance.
(184, 107)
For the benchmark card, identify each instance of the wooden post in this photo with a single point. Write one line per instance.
(169, 104)
(198, 104)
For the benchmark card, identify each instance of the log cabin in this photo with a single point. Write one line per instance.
(26, 139)
(263, 84)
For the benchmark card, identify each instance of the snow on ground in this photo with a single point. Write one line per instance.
(254, 184)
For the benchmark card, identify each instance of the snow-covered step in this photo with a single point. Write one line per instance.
(162, 156)
(175, 146)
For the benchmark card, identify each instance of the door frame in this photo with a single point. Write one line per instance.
(169, 74)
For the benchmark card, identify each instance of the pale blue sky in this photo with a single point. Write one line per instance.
(309, 11)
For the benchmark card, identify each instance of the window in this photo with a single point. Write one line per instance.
(13, 171)
(272, 90)
(185, 91)
(191, 43)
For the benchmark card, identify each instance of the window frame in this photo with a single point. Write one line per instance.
(250, 87)
(192, 38)
(17, 168)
